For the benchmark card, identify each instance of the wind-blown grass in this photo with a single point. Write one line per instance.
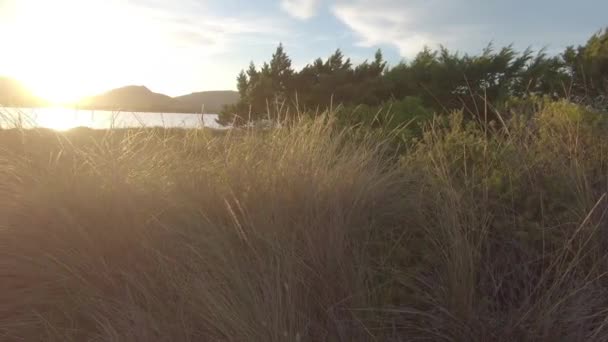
(310, 232)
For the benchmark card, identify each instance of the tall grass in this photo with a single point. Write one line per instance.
(310, 232)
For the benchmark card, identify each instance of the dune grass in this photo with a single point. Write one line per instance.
(310, 232)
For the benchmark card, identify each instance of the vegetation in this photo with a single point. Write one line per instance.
(317, 231)
(451, 198)
(443, 81)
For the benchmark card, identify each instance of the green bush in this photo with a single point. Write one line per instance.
(409, 114)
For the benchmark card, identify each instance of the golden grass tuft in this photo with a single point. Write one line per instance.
(309, 232)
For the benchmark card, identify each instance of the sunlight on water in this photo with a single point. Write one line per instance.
(65, 118)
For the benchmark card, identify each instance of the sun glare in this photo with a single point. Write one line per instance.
(57, 93)
(65, 50)
(68, 49)
(59, 119)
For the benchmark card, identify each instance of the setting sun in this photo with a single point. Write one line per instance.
(58, 119)
(58, 48)
(69, 49)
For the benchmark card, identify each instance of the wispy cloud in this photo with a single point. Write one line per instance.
(193, 25)
(301, 9)
(409, 26)
(467, 25)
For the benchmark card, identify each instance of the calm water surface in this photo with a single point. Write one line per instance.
(66, 118)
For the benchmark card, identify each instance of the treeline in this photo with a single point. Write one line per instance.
(437, 80)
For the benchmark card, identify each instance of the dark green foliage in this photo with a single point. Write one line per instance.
(407, 115)
(261, 91)
(447, 81)
(443, 80)
(267, 92)
(588, 68)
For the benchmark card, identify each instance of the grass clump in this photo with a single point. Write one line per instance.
(153, 235)
(310, 232)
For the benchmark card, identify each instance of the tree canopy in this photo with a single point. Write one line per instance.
(442, 80)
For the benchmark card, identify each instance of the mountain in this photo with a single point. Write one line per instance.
(13, 93)
(213, 101)
(142, 99)
(131, 98)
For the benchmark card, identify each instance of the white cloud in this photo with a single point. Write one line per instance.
(467, 25)
(192, 25)
(377, 25)
(409, 26)
(301, 9)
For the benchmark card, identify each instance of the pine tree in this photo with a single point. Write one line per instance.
(252, 73)
(281, 71)
(379, 64)
(242, 83)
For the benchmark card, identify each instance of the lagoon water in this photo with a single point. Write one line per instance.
(67, 118)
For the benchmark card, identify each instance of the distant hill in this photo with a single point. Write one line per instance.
(213, 101)
(142, 99)
(131, 98)
(13, 93)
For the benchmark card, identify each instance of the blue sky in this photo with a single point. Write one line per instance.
(64, 49)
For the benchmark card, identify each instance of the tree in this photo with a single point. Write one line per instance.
(441, 80)
(379, 64)
(242, 83)
(281, 71)
(588, 66)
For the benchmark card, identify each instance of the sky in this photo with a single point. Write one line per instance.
(66, 49)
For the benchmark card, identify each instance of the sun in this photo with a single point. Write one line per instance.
(56, 93)
(57, 118)
(58, 43)
(67, 49)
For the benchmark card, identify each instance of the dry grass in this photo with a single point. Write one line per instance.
(150, 235)
(311, 232)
